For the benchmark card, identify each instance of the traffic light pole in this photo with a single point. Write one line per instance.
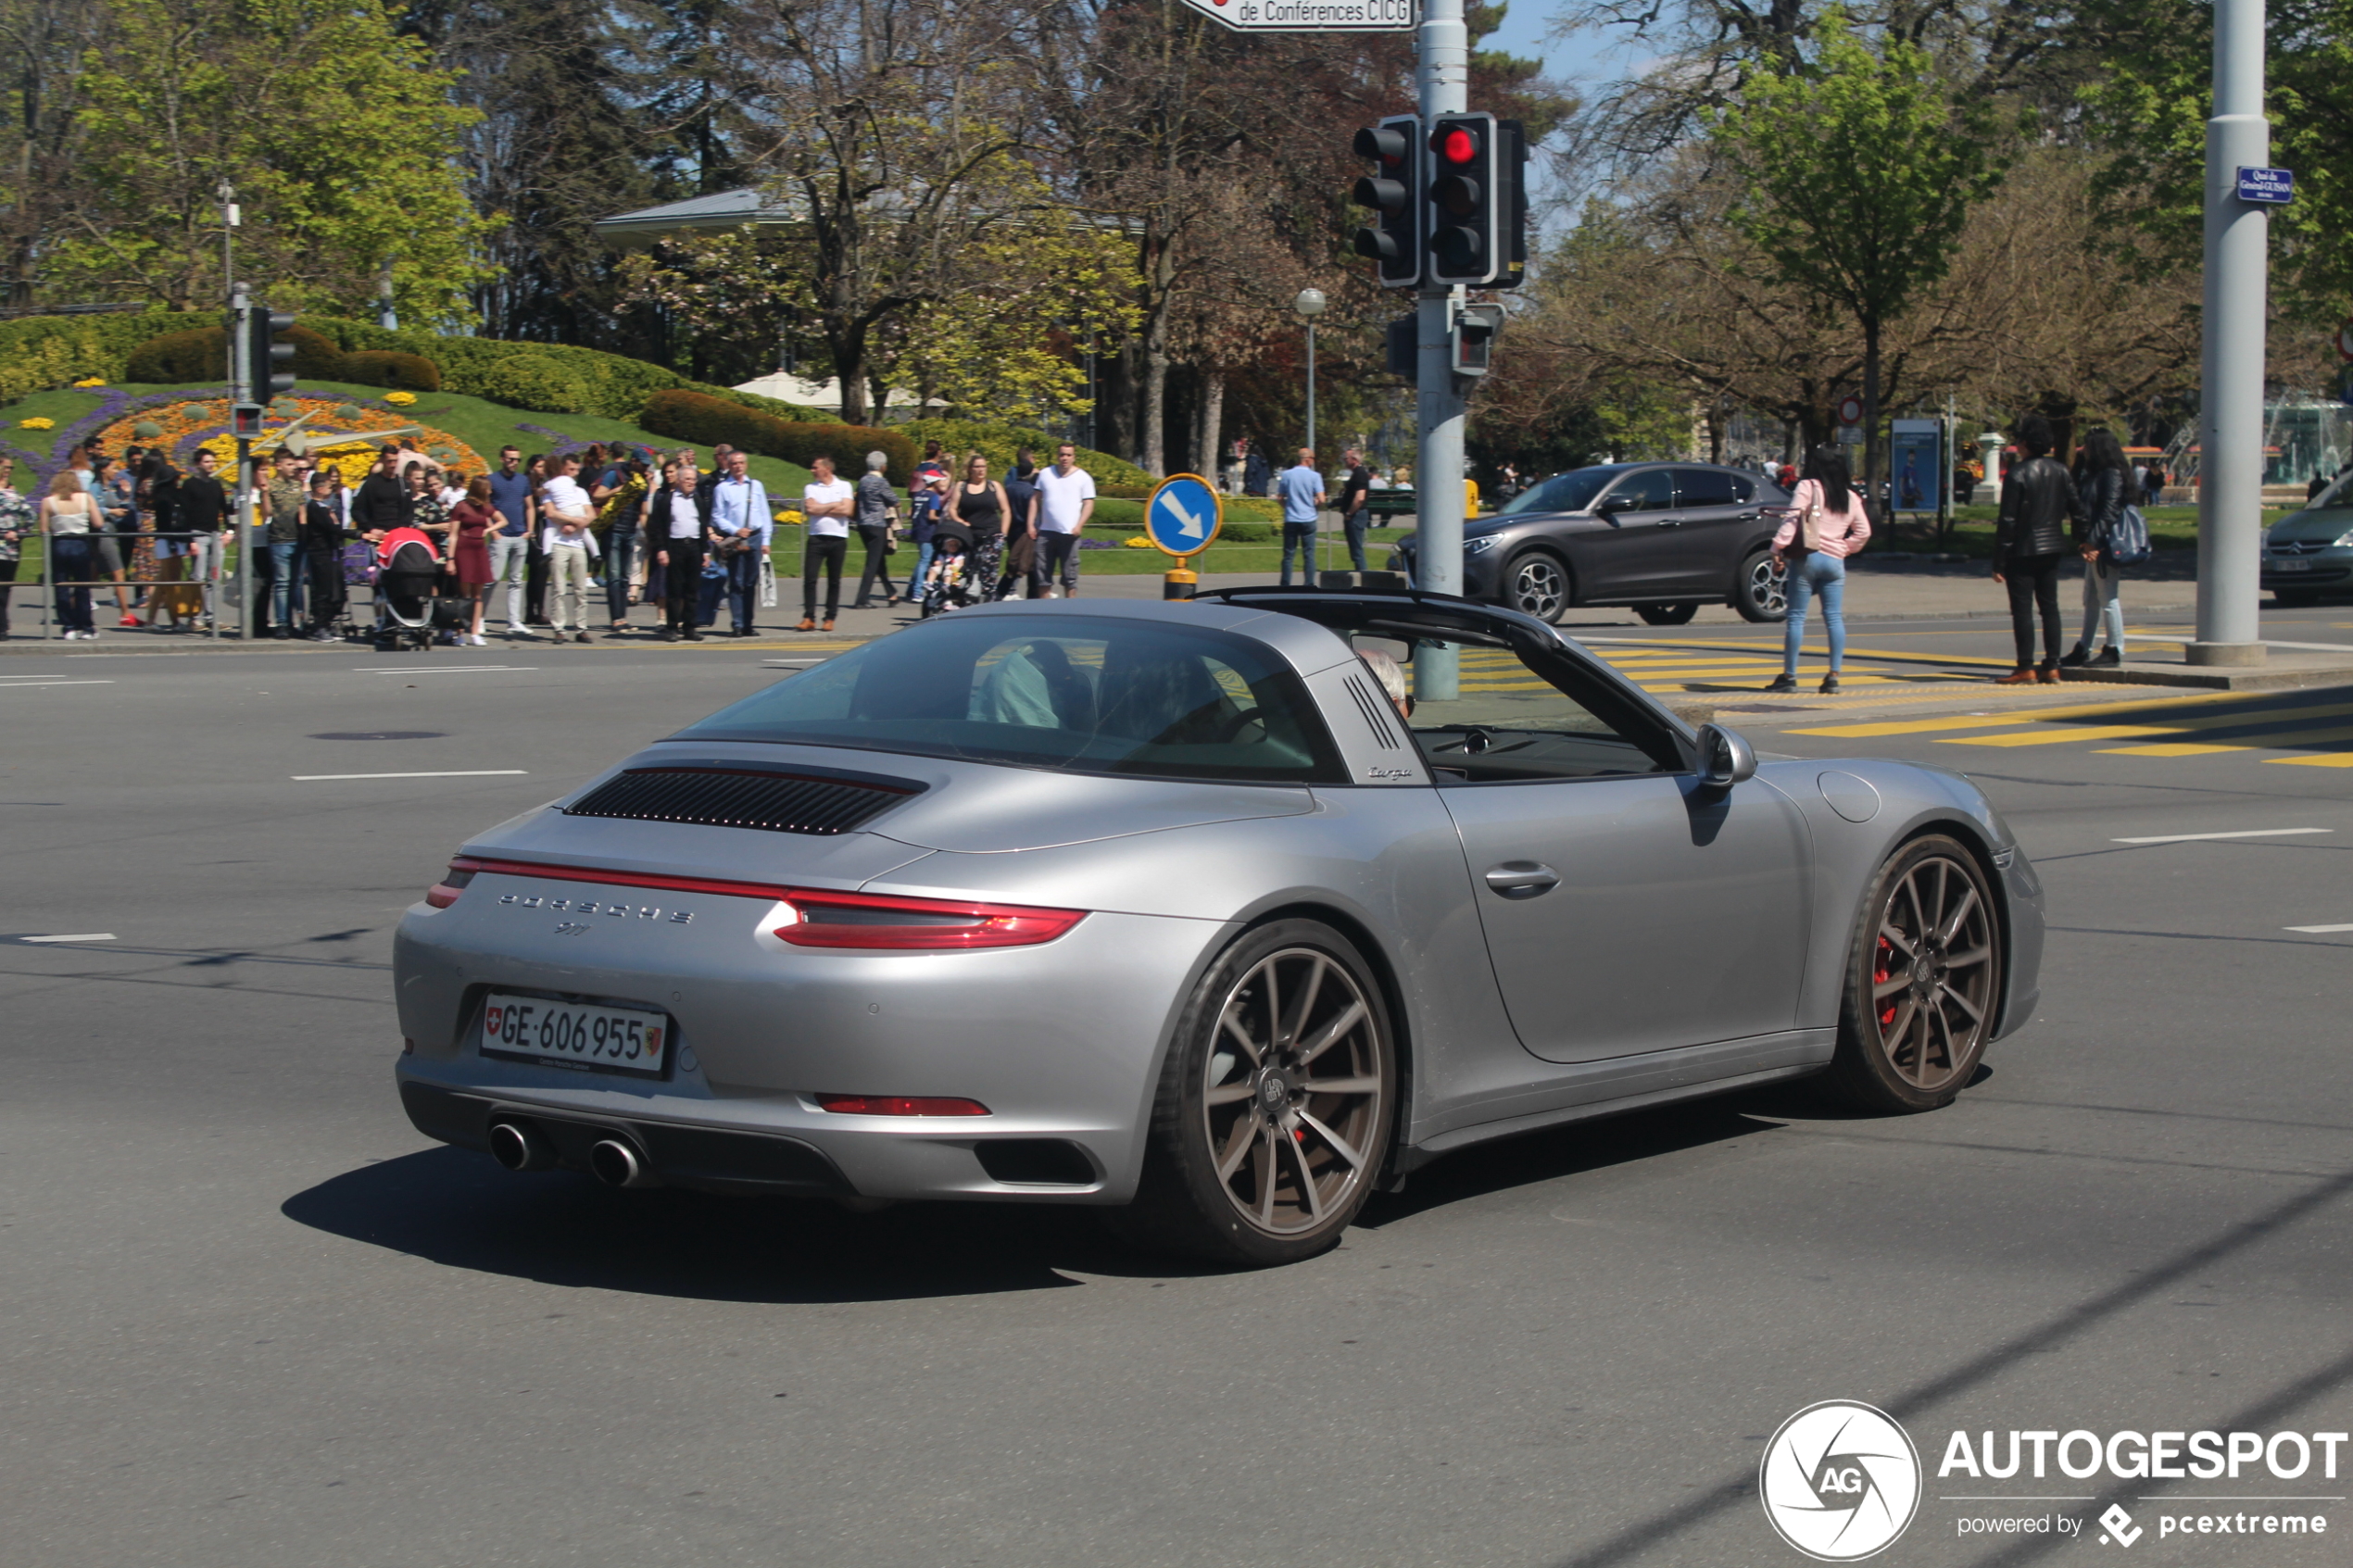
(241, 373)
(1443, 75)
(2229, 488)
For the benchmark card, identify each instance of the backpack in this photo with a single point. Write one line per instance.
(2128, 543)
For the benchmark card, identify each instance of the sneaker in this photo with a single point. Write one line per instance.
(1784, 683)
(669, 635)
(1053, 593)
(2076, 656)
(128, 620)
(1829, 684)
(2110, 657)
(694, 636)
(475, 639)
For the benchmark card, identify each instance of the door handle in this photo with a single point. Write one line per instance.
(1522, 879)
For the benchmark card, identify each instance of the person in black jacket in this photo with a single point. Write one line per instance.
(677, 530)
(2105, 484)
(2039, 503)
(319, 540)
(381, 503)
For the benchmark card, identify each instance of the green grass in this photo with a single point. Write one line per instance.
(1125, 563)
(2171, 528)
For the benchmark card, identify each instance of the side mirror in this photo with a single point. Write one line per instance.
(1725, 756)
(1612, 504)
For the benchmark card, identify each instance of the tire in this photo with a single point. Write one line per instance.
(1298, 1160)
(1898, 1048)
(1668, 615)
(1535, 582)
(2285, 601)
(1760, 592)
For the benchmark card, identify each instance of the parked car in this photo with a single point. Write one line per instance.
(1176, 909)
(1663, 537)
(2310, 553)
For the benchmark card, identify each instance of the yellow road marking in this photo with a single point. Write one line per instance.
(2170, 748)
(2060, 736)
(2325, 759)
(1994, 720)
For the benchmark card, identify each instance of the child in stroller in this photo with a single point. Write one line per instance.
(950, 583)
(406, 612)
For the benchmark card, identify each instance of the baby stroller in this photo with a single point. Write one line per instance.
(951, 583)
(408, 613)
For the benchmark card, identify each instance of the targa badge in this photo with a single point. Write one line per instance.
(1840, 1481)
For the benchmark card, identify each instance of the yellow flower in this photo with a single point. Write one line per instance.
(791, 516)
(37, 424)
(93, 381)
(1137, 541)
(400, 399)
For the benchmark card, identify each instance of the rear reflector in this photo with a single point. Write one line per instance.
(878, 920)
(898, 1105)
(443, 894)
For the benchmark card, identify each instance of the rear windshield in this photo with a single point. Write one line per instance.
(1093, 696)
(1562, 493)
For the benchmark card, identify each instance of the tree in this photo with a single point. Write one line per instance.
(338, 138)
(46, 40)
(1859, 169)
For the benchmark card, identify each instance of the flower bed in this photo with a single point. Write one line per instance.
(183, 426)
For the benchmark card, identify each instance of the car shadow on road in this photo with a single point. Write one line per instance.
(461, 1209)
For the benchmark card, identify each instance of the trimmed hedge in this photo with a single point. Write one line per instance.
(707, 420)
(999, 443)
(389, 367)
(201, 353)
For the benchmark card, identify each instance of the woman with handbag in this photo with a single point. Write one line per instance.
(1827, 523)
(2105, 482)
(876, 519)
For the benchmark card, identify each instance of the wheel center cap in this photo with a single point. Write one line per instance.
(1273, 1092)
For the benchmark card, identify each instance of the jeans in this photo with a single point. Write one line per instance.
(1300, 536)
(1814, 574)
(1055, 550)
(621, 561)
(204, 563)
(822, 554)
(509, 562)
(286, 566)
(743, 588)
(71, 559)
(7, 580)
(679, 581)
(1353, 526)
(2033, 582)
(568, 588)
(922, 568)
(877, 567)
(2101, 580)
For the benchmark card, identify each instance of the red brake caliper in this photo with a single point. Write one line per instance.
(1880, 974)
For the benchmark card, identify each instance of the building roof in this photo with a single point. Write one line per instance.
(722, 209)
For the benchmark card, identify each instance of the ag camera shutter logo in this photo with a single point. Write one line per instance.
(1840, 1480)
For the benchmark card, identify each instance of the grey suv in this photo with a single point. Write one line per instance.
(1663, 537)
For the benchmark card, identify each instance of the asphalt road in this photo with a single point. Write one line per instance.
(252, 1319)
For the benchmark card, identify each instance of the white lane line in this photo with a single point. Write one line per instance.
(437, 669)
(2317, 930)
(12, 682)
(461, 773)
(2268, 642)
(85, 936)
(2196, 837)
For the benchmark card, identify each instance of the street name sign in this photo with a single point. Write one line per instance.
(2272, 187)
(1184, 514)
(1310, 16)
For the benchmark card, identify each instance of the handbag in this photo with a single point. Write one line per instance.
(1810, 525)
(2128, 543)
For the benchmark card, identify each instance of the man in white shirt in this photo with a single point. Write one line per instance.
(1065, 503)
(677, 519)
(827, 503)
(569, 544)
(742, 518)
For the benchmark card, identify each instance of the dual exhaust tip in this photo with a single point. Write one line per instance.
(521, 1146)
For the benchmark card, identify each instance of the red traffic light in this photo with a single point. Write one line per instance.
(1454, 144)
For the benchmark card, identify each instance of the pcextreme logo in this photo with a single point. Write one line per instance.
(1840, 1480)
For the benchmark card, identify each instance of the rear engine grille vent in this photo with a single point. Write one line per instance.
(743, 797)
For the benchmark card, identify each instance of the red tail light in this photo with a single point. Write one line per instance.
(443, 894)
(878, 920)
(898, 1105)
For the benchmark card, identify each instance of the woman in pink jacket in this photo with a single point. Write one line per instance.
(1840, 525)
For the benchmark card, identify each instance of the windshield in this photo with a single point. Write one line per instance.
(1093, 696)
(1562, 493)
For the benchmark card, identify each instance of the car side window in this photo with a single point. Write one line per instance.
(1705, 487)
(1519, 717)
(1653, 490)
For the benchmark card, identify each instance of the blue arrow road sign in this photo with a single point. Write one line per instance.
(1183, 515)
(2273, 187)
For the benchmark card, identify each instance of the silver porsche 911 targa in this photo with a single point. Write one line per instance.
(1191, 910)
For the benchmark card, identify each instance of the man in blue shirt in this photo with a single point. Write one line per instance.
(741, 517)
(1302, 489)
(510, 541)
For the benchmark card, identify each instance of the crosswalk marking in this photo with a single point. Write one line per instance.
(2325, 759)
(2059, 735)
(1995, 720)
(2263, 726)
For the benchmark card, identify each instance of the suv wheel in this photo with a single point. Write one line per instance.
(1761, 592)
(1535, 583)
(1666, 615)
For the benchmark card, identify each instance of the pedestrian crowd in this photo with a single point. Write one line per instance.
(540, 537)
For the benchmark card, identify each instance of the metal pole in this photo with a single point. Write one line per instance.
(2230, 497)
(1311, 384)
(1442, 77)
(241, 391)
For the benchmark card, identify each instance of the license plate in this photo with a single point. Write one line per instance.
(585, 1033)
(2291, 566)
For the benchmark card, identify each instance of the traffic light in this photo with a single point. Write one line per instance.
(1466, 229)
(1470, 347)
(1515, 208)
(1393, 191)
(264, 353)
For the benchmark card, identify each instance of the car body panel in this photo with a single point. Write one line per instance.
(2301, 554)
(1740, 912)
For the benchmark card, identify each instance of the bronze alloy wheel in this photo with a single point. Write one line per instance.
(1273, 1115)
(1923, 981)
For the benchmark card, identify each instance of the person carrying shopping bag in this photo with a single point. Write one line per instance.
(1827, 523)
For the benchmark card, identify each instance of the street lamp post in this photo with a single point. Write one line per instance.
(1310, 304)
(2229, 490)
